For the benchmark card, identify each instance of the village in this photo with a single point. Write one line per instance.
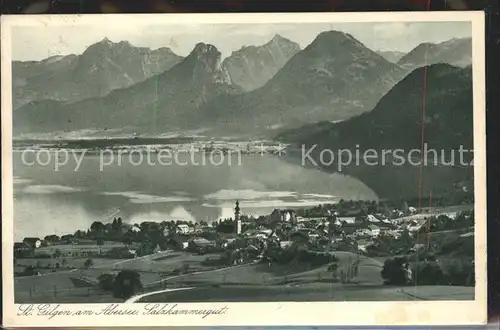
(296, 241)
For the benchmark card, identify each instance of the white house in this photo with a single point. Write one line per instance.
(301, 219)
(228, 242)
(415, 226)
(265, 231)
(374, 230)
(282, 215)
(418, 247)
(362, 247)
(398, 213)
(372, 218)
(157, 249)
(346, 219)
(395, 234)
(184, 229)
(257, 233)
(33, 242)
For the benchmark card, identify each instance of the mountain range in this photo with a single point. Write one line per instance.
(457, 51)
(101, 68)
(164, 100)
(257, 88)
(333, 78)
(396, 121)
(392, 56)
(252, 66)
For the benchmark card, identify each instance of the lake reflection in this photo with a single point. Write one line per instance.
(59, 202)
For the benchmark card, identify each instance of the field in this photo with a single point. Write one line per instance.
(312, 292)
(260, 282)
(251, 282)
(427, 212)
(152, 269)
(261, 273)
(159, 262)
(71, 248)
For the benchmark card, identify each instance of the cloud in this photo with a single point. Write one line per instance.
(179, 213)
(320, 196)
(141, 198)
(49, 189)
(248, 194)
(392, 30)
(19, 181)
(274, 203)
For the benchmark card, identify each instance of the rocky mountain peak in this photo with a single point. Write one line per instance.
(104, 66)
(329, 42)
(277, 39)
(165, 50)
(203, 48)
(252, 66)
(457, 51)
(334, 36)
(102, 46)
(205, 62)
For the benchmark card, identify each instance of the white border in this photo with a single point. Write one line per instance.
(261, 314)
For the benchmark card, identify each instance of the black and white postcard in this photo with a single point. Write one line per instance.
(244, 169)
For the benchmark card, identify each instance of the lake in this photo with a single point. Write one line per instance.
(60, 202)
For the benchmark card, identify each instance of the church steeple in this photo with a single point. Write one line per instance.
(237, 218)
(237, 211)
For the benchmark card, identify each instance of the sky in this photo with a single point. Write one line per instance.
(42, 42)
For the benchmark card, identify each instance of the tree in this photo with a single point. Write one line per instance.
(57, 253)
(88, 263)
(355, 270)
(100, 241)
(428, 273)
(126, 284)
(343, 278)
(471, 278)
(405, 241)
(117, 225)
(127, 240)
(185, 268)
(459, 272)
(52, 238)
(97, 226)
(29, 271)
(106, 282)
(333, 269)
(405, 207)
(393, 272)
(80, 234)
(349, 274)
(147, 247)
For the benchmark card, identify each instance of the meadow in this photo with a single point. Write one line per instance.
(152, 268)
(311, 292)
